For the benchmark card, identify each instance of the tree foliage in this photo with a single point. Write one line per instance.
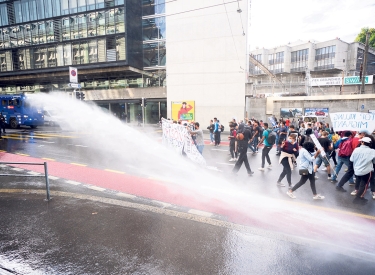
(361, 37)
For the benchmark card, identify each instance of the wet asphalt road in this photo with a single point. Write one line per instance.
(82, 235)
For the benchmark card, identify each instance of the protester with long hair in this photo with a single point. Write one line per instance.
(307, 158)
(289, 149)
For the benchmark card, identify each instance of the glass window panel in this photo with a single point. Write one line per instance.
(81, 5)
(120, 48)
(40, 9)
(119, 2)
(99, 4)
(25, 11)
(32, 6)
(90, 4)
(73, 6)
(93, 51)
(48, 8)
(64, 7)
(67, 54)
(18, 11)
(51, 57)
(84, 58)
(59, 55)
(162, 54)
(56, 7)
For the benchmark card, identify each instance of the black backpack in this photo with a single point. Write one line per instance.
(222, 128)
(271, 139)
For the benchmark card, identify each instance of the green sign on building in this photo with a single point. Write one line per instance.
(354, 80)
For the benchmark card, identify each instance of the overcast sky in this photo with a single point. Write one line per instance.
(277, 22)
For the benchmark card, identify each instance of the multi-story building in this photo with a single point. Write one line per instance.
(123, 49)
(115, 45)
(294, 65)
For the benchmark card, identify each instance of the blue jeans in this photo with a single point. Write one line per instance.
(340, 162)
(212, 138)
(253, 145)
(200, 148)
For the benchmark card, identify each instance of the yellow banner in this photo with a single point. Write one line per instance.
(183, 110)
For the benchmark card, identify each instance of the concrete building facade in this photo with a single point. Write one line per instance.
(207, 57)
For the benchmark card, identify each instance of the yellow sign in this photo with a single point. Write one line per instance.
(183, 110)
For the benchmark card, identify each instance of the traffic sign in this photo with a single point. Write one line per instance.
(75, 85)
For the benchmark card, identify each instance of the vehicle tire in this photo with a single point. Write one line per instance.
(13, 123)
(33, 127)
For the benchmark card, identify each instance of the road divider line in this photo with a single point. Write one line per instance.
(164, 204)
(125, 195)
(78, 164)
(33, 173)
(18, 169)
(25, 155)
(73, 182)
(81, 146)
(48, 141)
(200, 213)
(53, 178)
(48, 159)
(96, 188)
(114, 171)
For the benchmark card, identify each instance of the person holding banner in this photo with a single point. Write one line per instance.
(326, 145)
(307, 158)
(363, 159)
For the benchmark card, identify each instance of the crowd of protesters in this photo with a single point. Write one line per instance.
(293, 139)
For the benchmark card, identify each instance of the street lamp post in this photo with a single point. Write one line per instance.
(365, 63)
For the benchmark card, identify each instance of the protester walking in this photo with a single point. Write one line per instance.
(242, 139)
(268, 139)
(289, 150)
(211, 128)
(232, 142)
(306, 170)
(363, 158)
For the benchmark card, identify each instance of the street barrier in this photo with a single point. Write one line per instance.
(31, 163)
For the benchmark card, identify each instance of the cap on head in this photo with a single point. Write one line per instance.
(365, 140)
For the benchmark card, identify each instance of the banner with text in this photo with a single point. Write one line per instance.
(177, 137)
(353, 121)
(326, 81)
(354, 80)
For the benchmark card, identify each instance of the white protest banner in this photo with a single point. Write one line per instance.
(326, 81)
(317, 144)
(353, 121)
(177, 137)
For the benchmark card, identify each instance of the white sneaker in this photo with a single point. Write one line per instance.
(316, 177)
(261, 169)
(329, 178)
(269, 166)
(280, 184)
(318, 197)
(373, 195)
(354, 193)
(324, 169)
(232, 159)
(290, 194)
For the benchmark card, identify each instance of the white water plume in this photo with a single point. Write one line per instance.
(110, 138)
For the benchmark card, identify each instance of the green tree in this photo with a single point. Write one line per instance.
(361, 37)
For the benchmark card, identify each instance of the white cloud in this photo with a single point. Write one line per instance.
(277, 22)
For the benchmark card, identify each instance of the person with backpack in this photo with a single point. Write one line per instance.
(253, 143)
(243, 138)
(345, 151)
(268, 139)
(217, 131)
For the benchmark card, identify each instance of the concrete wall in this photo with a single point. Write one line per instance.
(261, 108)
(206, 57)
